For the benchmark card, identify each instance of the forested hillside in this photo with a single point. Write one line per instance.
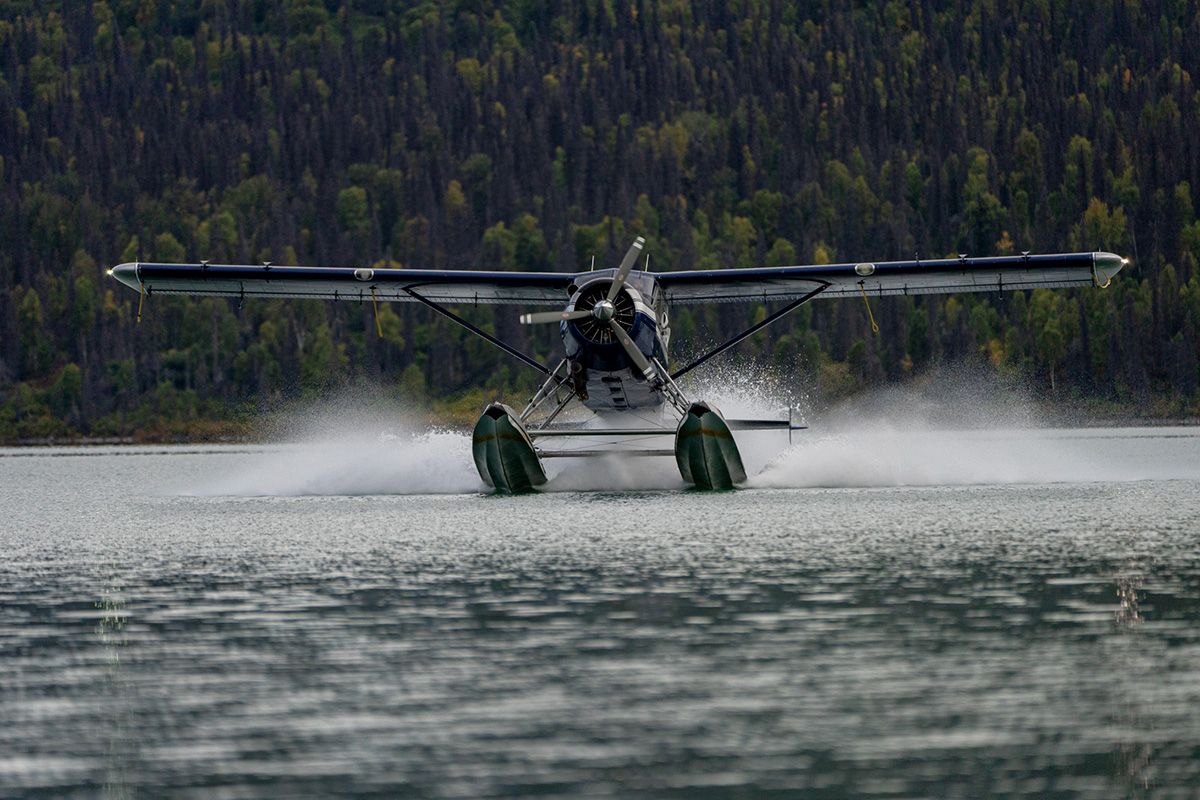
(502, 135)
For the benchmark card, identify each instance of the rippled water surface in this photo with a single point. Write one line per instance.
(968, 615)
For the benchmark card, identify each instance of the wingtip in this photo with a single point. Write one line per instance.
(1105, 266)
(127, 274)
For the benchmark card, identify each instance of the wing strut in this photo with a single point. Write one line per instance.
(482, 334)
(721, 348)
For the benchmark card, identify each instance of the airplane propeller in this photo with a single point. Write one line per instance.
(623, 271)
(631, 349)
(604, 311)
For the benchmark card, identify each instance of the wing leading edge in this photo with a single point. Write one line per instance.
(936, 276)
(346, 283)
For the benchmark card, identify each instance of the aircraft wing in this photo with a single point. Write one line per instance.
(347, 283)
(934, 276)
(757, 284)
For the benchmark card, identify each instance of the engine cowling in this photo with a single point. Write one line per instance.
(594, 329)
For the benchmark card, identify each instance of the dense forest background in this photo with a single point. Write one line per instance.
(505, 135)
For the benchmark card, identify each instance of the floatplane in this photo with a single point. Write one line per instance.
(615, 328)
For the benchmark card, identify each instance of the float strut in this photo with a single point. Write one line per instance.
(721, 348)
(482, 334)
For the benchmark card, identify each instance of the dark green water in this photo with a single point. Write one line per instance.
(1024, 621)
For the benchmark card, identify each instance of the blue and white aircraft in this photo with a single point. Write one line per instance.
(615, 328)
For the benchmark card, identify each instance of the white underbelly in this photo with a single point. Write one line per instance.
(618, 391)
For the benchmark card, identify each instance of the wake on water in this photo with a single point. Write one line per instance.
(963, 432)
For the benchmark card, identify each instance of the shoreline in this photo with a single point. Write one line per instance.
(143, 441)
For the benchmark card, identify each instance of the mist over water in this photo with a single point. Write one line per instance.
(349, 445)
(433, 462)
(957, 428)
(961, 427)
(881, 456)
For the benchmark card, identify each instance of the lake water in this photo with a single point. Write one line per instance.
(880, 614)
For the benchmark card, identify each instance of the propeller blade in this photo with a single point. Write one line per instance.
(632, 349)
(552, 316)
(627, 263)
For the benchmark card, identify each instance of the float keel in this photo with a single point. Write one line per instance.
(504, 453)
(705, 450)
